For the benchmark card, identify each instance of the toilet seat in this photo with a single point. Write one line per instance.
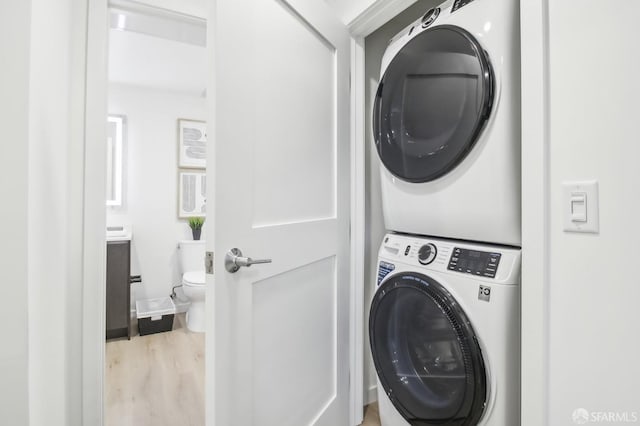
(194, 278)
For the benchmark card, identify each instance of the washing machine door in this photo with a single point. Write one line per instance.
(432, 103)
(426, 353)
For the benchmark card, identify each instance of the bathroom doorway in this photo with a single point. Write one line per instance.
(156, 174)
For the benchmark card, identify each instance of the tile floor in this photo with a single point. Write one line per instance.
(156, 379)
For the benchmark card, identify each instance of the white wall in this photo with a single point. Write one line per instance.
(39, 359)
(349, 10)
(375, 45)
(154, 62)
(15, 27)
(594, 293)
(151, 182)
(197, 8)
(49, 132)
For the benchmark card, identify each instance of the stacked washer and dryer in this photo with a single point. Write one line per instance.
(445, 319)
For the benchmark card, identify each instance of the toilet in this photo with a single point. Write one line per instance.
(191, 254)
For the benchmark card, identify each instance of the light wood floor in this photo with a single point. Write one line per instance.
(371, 416)
(156, 380)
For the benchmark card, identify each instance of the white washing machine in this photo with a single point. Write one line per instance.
(446, 123)
(445, 333)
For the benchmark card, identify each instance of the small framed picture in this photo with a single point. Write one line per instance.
(192, 193)
(192, 144)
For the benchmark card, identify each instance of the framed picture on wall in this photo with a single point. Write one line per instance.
(192, 144)
(192, 193)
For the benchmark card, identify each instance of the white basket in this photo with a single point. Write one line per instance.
(155, 308)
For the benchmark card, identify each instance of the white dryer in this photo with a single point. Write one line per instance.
(444, 329)
(446, 123)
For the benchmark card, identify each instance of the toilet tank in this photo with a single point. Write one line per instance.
(191, 255)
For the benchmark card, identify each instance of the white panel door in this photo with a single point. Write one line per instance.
(279, 182)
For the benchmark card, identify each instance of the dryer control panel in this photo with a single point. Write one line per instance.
(474, 262)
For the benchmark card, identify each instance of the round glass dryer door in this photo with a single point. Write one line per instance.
(432, 103)
(426, 353)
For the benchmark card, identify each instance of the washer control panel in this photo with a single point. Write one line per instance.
(474, 262)
(459, 3)
(492, 264)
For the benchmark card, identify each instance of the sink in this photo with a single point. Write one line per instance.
(118, 233)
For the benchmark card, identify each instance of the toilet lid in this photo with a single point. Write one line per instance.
(194, 278)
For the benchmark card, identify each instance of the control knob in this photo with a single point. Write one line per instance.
(430, 16)
(427, 253)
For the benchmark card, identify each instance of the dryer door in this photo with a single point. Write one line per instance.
(426, 352)
(432, 103)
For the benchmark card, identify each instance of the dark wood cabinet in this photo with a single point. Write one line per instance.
(118, 289)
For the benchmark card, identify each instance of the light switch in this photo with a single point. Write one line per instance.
(580, 205)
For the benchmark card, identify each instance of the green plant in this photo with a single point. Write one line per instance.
(196, 222)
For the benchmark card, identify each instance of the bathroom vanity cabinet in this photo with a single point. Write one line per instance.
(118, 289)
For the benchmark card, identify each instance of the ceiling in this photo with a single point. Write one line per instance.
(160, 43)
(156, 49)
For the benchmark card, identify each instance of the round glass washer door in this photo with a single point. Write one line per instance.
(432, 103)
(426, 352)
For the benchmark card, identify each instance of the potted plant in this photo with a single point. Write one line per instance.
(195, 223)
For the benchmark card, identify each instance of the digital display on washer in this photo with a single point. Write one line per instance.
(459, 3)
(474, 262)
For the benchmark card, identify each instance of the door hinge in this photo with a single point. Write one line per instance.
(208, 262)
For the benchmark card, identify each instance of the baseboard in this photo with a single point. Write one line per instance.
(371, 395)
(181, 306)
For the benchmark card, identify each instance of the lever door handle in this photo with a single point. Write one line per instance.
(233, 260)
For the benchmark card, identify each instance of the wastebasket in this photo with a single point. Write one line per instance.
(155, 315)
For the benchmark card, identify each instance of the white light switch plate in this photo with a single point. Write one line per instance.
(581, 216)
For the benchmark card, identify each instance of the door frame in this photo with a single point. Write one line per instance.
(536, 194)
(94, 240)
(364, 24)
(94, 223)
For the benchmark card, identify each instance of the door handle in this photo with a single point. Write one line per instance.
(233, 260)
